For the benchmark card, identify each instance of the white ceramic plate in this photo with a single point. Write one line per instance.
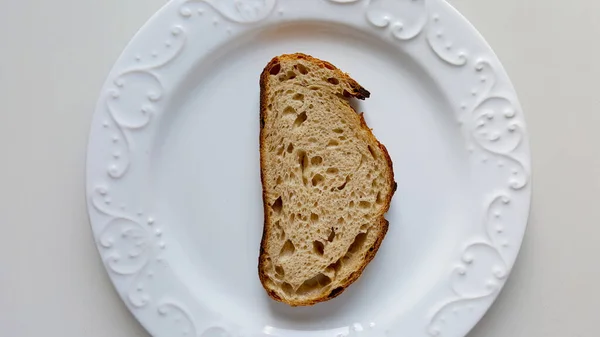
(173, 177)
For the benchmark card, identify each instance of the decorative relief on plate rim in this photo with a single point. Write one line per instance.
(494, 245)
(505, 138)
(239, 11)
(127, 246)
(380, 15)
(487, 107)
(168, 308)
(125, 121)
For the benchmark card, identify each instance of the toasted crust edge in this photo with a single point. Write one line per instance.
(360, 93)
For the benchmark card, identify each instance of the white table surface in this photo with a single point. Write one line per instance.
(55, 54)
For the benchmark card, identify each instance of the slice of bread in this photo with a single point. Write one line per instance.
(327, 181)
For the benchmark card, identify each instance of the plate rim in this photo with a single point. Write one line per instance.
(165, 307)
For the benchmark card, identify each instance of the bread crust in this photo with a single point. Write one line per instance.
(357, 92)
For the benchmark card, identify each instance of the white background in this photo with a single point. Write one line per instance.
(54, 56)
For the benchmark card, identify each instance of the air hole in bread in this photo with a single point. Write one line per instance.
(328, 65)
(289, 110)
(279, 180)
(333, 80)
(317, 179)
(351, 204)
(346, 94)
(298, 97)
(335, 292)
(281, 78)
(364, 204)
(308, 286)
(364, 227)
(317, 160)
(379, 200)
(337, 266)
(279, 230)
(290, 148)
(363, 159)
(291, 75)
(314, 217)
(372, 152)
(279, 271)
(323, 280)
(331, 235)
(310, 106)
(338, 130)
(359, 242)
(300, 119)
(269, 283)
(314, 87)
(342, 186)
(333, 143)
(275, 69)
(318, 247)
(287, 250)
(302, 160)
(280, 150)
(287, 288)
(332, 170)
(277, 205)
(312, 139)
(302, 69)
(313, 284)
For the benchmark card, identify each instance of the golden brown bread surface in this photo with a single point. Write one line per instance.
(327, 181)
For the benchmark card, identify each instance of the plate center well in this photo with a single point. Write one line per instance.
(206, 176)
